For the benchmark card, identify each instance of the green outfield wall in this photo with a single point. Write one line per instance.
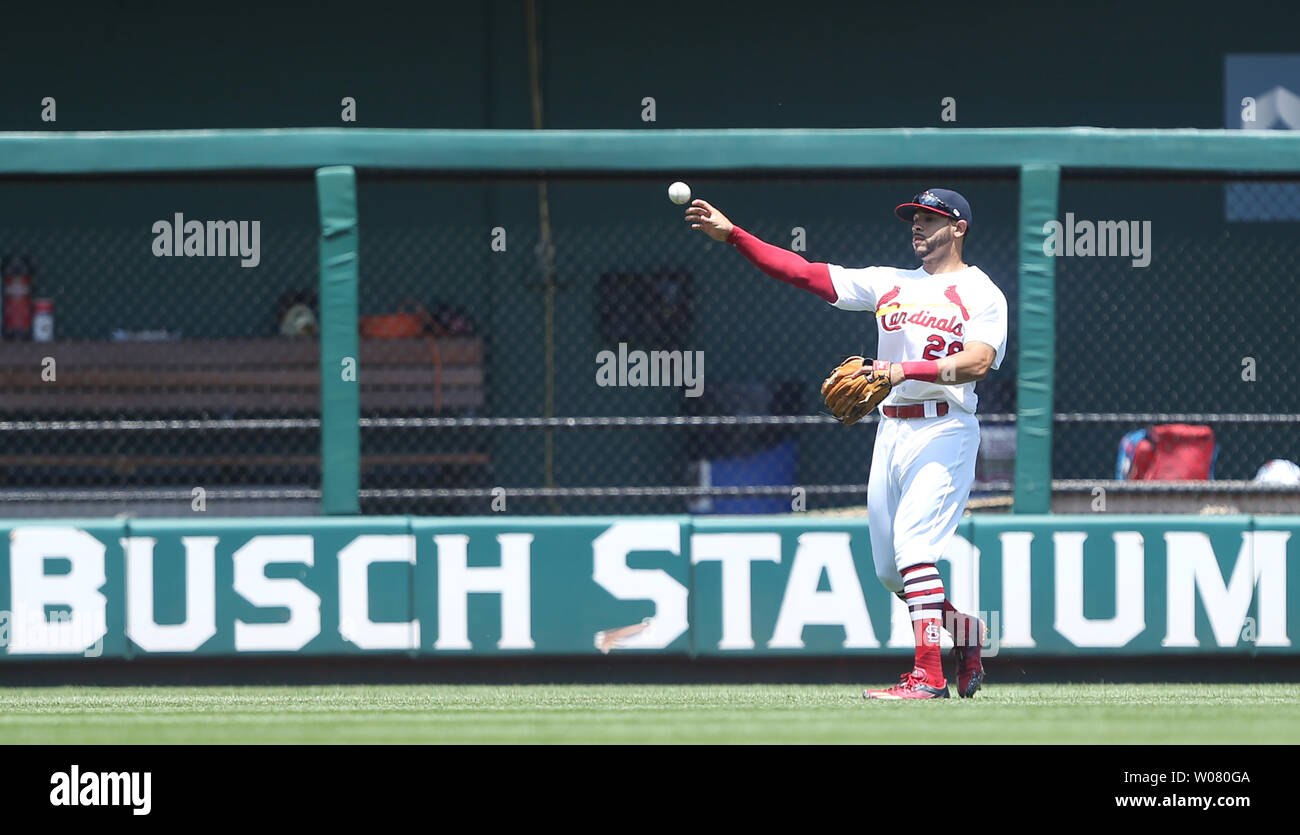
(674, 585)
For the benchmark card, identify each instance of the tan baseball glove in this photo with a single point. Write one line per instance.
(851, 399)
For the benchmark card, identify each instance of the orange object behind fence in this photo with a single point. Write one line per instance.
(408, 324)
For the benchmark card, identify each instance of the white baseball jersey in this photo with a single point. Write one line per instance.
(926, 317)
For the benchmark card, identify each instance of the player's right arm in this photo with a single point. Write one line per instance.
(779, 263)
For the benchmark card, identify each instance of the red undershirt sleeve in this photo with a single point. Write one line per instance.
(785, 265)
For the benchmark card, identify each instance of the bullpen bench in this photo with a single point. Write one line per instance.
(276, 377)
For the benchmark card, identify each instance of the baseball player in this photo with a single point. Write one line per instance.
(942, 326)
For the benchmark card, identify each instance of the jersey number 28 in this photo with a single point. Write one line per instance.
(934, 347)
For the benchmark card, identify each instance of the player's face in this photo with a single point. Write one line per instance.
(931, 233)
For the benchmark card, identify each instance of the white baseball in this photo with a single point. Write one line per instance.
(679, 193)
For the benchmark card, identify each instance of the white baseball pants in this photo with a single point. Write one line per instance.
(921, 474)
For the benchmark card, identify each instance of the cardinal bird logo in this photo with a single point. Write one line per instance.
(887, 310)
(888, 297)
(951, 295)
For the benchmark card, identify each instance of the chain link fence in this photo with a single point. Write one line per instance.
(159, 352)
(1179, 311)
(494, 350)
(541, 327)
(498, 351)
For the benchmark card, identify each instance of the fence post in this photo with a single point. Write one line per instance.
(1039, 195)
(340, 389)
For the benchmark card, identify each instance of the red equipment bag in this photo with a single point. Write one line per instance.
(1174, 452)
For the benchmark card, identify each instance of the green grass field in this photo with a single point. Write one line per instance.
(632, 714)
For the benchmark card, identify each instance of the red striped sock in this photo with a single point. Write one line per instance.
(923, 590)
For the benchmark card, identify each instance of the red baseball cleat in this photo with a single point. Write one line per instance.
(970, 667)
(912, 686)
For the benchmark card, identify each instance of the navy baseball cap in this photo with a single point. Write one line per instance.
(940, 201)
